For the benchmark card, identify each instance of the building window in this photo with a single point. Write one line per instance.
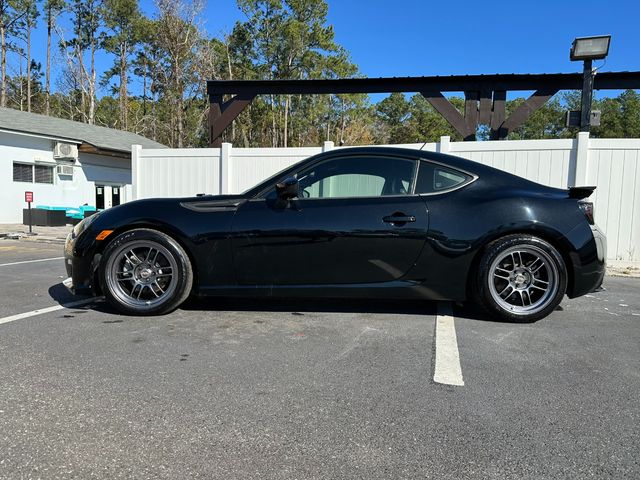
(43, 174)
(22, 172)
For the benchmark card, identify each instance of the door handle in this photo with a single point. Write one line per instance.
(399, 218)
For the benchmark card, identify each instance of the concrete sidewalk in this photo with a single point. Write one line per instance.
(42, 234)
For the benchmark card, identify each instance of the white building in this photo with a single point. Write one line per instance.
(64, 163)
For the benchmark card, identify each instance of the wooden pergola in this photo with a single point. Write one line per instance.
(485, 96)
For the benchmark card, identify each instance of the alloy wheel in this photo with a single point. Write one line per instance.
(142, 274)
(523, 279)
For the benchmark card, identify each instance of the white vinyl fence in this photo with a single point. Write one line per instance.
(613, 165)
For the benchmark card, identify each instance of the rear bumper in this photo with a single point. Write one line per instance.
(590, 264)
(80, 270)
(601, 250)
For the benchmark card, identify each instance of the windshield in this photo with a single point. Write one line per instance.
(272, 180)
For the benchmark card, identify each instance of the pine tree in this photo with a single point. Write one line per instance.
(52, 9)
(122, 19)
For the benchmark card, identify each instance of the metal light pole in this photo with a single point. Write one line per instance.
(588, 49)
(587, 96)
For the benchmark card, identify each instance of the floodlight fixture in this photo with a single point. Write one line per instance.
(590, 48)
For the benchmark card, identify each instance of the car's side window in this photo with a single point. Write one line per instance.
(433, 178)
(358, 176)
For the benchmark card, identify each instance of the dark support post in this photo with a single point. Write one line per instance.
(587, 96)
(484, 117)
(471, 114)
(499, 113)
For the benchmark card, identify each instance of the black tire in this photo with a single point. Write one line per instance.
(161, 282)
(509, 284)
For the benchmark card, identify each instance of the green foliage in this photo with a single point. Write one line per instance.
(125, 29)
(427, 125)
(546, 122)
(88, 24)
(414, 120)
(290, 39)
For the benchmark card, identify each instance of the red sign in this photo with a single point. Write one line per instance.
(28, 197)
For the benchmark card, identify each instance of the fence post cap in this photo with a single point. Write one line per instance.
(328, 145)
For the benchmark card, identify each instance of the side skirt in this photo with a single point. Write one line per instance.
(399, 289)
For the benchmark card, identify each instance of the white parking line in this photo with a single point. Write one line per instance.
(30, 261)
(447, 364)
(40, 311)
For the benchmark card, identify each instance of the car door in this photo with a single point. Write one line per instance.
(356, 221)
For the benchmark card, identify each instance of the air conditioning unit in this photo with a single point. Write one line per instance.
(65, 170)
(65, 151)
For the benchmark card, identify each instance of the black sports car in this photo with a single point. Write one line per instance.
(357, 222)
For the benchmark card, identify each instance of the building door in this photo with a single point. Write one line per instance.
(115, 196)
(108, 196)
(100, 197)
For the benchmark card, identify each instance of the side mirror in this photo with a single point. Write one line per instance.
(287, 189)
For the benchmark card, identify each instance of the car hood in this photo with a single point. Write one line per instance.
(214, 203)
(158, 208)
(166, 201)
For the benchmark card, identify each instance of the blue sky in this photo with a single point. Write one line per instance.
(426, 37)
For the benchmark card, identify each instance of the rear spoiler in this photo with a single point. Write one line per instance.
(580, 192)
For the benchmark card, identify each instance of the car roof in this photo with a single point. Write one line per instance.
(484, 172)
(451, 160)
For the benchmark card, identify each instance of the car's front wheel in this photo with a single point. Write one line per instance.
(145, 272)
(520, 278)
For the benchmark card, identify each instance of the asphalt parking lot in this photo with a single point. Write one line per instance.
(330, 389)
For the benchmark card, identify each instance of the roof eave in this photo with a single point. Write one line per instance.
(89, 148)
(56, 138)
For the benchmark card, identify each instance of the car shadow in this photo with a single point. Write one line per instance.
(466, 311)
(307, 305)
(65, 298)
(469, 311)
(61, 295)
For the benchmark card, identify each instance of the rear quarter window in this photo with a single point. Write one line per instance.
(433, 178)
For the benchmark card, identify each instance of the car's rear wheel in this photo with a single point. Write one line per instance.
(145, 272)
(520, 278)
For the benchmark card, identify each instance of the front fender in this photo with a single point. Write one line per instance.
(204, 235)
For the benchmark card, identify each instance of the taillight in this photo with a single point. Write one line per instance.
(587, 209)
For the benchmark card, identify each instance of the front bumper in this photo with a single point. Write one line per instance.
(80, 270)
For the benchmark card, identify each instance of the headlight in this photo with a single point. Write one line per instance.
(84, 224)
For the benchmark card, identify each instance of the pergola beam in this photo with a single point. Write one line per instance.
(449, 112)
(453, 83)
(477, 88)
(222, 114)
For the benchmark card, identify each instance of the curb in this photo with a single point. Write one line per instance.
(58, 241)
(623, 273)
(35, 239)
